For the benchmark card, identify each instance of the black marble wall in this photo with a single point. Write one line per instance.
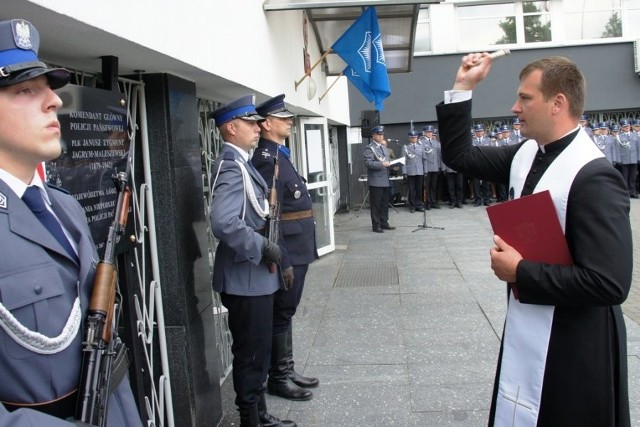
(183, 249)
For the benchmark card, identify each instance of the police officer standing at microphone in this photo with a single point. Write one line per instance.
(241, 271)
(298, 229)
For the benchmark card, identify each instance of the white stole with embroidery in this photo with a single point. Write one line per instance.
(528, 326)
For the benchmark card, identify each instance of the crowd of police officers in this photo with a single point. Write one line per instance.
(427, 180)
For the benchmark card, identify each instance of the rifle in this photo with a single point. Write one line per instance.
(273, 233)
(101, 342)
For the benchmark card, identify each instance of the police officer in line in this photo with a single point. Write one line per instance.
(377, 162)
(584, 123)
(605, 143)
(298, 229)
(481, 188)
(628, 147)
(515, 131)
(243, 271)
(433, 152)
(415, 169)
(48, 261)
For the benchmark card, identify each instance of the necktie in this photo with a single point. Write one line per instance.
(34, 201)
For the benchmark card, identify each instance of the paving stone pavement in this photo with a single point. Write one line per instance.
(403, 328)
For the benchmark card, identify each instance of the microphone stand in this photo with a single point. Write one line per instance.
(424, 225)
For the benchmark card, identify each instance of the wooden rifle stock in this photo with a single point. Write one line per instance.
(274, 211)
(100, 337)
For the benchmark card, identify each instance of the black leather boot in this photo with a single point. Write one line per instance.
(269, 420)
(249, 417)
(306, 382)
(279, 383)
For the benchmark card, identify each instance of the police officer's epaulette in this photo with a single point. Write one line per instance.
(228, 156)
(54, 187)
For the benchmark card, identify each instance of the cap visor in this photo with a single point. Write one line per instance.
(283, 114)
(57, 77)
(252, 118)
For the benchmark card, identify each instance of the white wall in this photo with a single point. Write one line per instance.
(234, 40)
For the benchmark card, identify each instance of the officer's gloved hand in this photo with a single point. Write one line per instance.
(287, 276)
(271, 252)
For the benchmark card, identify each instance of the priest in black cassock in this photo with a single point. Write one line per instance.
(563, 358)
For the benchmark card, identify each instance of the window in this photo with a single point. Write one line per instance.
(632, 17)
(593, 19)
(486, 25)
(536, 21)
(519, 22)
(423, 31)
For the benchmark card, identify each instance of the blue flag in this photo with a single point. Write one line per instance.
(361, 48)
(359, 83)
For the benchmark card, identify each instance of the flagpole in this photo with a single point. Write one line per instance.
(308, 73)
(329, 88)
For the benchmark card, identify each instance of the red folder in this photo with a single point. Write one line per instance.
(530, 224)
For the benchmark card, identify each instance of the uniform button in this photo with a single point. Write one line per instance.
(37, 289)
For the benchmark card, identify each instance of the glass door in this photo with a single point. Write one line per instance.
(314, 152)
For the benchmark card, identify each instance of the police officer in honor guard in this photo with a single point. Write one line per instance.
(628, 147)
(434, 166)
(415, 169)
(298, 229)
(48, 260)
(243, 271)
(376, 160)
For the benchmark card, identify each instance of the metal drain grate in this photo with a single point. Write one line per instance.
(361, 274)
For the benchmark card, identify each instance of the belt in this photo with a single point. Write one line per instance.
(289, 216)
(64, 407)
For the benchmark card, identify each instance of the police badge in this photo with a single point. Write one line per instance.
(22, 34)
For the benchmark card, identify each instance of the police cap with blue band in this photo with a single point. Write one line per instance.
(378, 129)
(274, 107)
(19, 43)
(241, 108)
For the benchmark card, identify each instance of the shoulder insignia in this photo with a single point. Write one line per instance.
(3, 201)
(228, 156)
(266, 154)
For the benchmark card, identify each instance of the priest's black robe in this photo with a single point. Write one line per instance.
(585, 379)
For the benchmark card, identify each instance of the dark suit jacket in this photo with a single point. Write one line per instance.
(585, 380)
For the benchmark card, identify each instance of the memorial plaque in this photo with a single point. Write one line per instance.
(95, 146)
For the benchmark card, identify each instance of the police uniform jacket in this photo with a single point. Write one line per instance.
(585, 378)
(377, 174)
(415, 159)
(39, 282)
(298, 230)
(608, 147)
(238, 267)
(628, 147)
(432, 150)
